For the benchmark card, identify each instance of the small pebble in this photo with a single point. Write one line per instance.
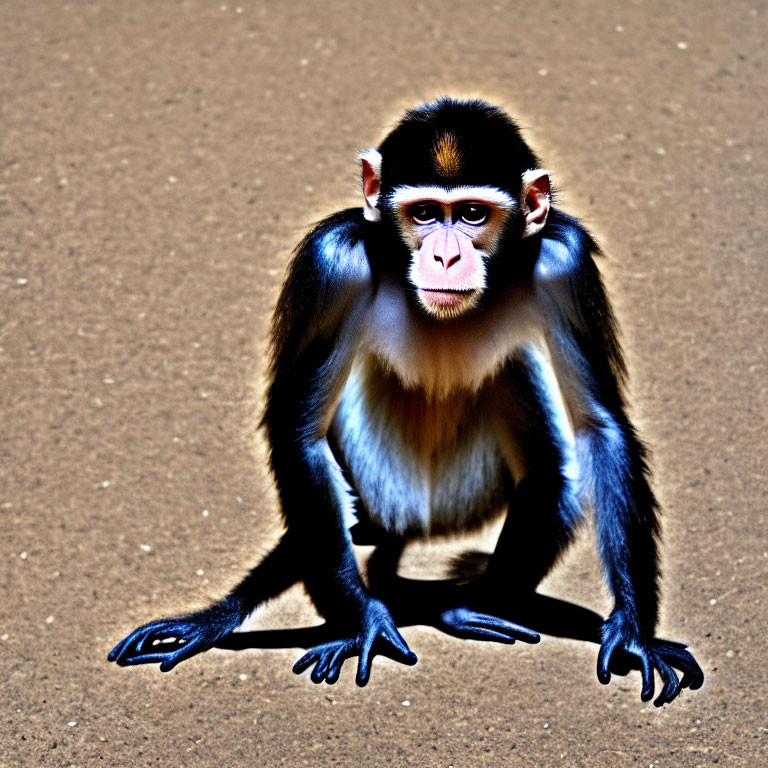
(242, 677)
(406, 703)
(24, 555)
(145, 547)
(199, 571)
(22, 281)
(206, 513)
(49, 620)
(72, 723)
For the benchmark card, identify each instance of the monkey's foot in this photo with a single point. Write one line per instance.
(378, 635)
(622, 649)
(472, 625)
(168, 642)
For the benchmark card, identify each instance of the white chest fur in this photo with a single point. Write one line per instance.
(418, 463)
(444, 356)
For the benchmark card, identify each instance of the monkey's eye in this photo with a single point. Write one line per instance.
(425, 213)
(473, 213)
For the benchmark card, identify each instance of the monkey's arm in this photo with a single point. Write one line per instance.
(315, 335)
(612, 459)
(169, 641)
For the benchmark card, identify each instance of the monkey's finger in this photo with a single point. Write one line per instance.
(402, 652)
(697, 676)
(115, 652)
(125, 648)
(676, 655)
(329, 654)
(364, 664)
(508, 628)
(306, 660)
(604, 660)
(671, 684)
(318, 673)
(648, 682)
(188, 650)
(128, 642)
(693, 676)
(317, 652)
(335, 665)
(485, 633)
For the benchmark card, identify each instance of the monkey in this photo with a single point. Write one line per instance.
(442, 356)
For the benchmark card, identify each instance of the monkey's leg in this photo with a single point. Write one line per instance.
(500, 603)
(170, 641)
(627, 529)
(444, 604)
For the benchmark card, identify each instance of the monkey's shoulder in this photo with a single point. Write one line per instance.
(567, 250)
(328, 274)
(334, 250)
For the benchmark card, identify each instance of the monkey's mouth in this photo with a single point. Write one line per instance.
(442, 301)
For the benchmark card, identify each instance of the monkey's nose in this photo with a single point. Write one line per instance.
(447, 248)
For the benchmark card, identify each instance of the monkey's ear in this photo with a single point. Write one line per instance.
(371, 162)
(536, 200)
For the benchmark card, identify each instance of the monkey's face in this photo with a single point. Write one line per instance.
(451, 234)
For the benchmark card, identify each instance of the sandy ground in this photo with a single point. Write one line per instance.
(159, 161)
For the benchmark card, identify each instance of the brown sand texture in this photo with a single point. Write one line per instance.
(159, 162)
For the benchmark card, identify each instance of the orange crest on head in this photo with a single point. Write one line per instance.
(447, 155)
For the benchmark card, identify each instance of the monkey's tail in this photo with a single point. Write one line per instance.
(468, 565)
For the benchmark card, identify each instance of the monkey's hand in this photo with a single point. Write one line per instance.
(169, 641)
(625, 644)
(472, 625)
(377, 635)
